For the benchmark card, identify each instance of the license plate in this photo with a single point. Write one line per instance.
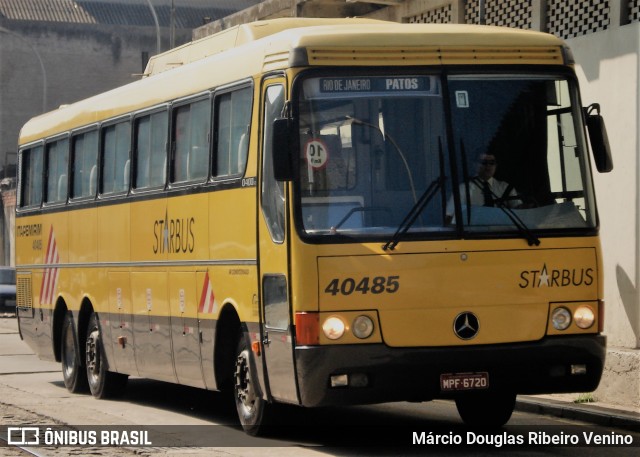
(464, 381)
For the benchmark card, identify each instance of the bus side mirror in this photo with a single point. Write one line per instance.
(282, 149)
(599, 139)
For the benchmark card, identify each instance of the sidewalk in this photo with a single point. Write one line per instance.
(597, 413)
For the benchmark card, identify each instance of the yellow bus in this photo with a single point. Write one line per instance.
(321, 212)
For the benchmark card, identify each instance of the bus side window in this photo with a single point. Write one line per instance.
(116, 142)
(84, 162)
(57, 155)
(272, 190)
(191, 141)
(150, 150)
(233, 118)
(31, 177)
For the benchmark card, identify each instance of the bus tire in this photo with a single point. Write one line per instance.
(486, 410)
(73, 372)
(102, 382)
(249, 403)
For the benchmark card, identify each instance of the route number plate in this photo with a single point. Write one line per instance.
(464, 381)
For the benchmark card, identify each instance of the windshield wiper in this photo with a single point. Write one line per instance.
(413, 214)
(531, 238)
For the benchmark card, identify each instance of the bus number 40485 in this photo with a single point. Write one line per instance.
(374, 285)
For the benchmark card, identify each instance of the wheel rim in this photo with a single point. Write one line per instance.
(69, 354)
(93, 357)
(245, 393)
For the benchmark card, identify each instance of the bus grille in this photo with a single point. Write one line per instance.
(23, 292)
(436, 55)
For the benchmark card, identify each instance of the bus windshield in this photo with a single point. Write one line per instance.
(471, 154)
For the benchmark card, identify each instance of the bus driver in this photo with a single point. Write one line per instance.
(484, 189)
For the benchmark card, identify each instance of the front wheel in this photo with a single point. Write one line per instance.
(73, 373)
(486, 410)
(249, 403)
(102, 382)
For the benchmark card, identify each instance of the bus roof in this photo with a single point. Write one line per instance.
(251, 49)
(303, 32)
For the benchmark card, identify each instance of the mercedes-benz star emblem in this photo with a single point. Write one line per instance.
(466, 325)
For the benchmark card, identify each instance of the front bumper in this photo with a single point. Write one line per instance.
(413, 374)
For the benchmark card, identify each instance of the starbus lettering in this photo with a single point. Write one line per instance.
(174, 235)
(556, 277)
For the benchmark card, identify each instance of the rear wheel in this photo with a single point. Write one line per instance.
(250, 405)
(486, 410)
(73, 372)
(102, 382)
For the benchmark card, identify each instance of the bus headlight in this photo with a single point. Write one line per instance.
(561, 318)
(584, 317)
(362, 327)
(333, 328)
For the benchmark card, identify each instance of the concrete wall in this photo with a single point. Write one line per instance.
(609, 72)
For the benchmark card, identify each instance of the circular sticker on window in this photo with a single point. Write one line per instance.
(317, 154)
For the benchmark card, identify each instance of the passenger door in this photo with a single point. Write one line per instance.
(272, 233)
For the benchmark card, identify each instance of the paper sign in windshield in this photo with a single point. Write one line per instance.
(317, 154)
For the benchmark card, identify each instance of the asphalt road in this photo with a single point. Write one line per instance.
(187, 421)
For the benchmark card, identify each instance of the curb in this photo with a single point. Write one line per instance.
(7, 311)
(585, 412)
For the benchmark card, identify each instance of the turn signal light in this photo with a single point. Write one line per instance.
(600, 316)
(307, 329)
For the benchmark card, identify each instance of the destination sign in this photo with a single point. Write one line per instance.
(371, 86)
(376, 84)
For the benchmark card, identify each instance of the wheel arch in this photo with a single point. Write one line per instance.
(81, 320)
(59, 314)
(227, 331)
